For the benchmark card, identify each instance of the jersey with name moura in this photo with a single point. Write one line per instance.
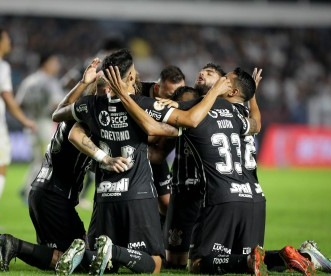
(63, 167)
(119, 135)
(216, 146)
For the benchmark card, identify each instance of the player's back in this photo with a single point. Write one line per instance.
(216, 146)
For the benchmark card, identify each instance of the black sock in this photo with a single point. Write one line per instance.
(39, 256)
(273, 261)
(222, 264)
(137, 261)
(87, 259)
(306, 255)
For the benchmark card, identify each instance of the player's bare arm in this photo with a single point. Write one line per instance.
(79, 138)
(193, 116)
(63, 111)
(255, 115)
(147, 123)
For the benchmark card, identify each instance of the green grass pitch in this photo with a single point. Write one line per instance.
(298, 208)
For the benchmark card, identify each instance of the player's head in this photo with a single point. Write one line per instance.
(5, 42)
(50, 63)
(170, 79)
(243, 86)
(124, 61)
(185, 93)
(208, 76)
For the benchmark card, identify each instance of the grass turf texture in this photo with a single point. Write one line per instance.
(298, 208)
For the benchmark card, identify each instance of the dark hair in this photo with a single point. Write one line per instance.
(44, 57)
(245, 83)
(121, 58)
(172, 73)
(217, 68)
(178, 93)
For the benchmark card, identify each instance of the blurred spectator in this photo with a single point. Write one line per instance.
(38, 95)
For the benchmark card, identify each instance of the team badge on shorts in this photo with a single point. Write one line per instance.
(175, 238)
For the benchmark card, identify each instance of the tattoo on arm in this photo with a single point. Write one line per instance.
(253, 125)
(176, 120)
(86, 141)
(168, 128)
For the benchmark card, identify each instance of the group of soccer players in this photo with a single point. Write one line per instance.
(216, 215)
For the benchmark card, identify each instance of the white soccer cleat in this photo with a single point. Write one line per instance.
(320, 262)
(71, 258)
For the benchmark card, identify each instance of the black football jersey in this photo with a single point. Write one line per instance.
(63, 166)
(216, 146)
(249, 160)
(118, 134)
(186, 176)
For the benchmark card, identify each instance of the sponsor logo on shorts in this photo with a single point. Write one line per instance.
(247, 250)
(221, 260)
(220, 248)
(175, 237)
(136, 245)
(243, 190)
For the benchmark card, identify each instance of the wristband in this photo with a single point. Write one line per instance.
(180, 131)
(99, 155)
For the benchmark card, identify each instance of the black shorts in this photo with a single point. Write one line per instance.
(228, 228)
(133, 224)
(182, 213)
(162, 178)
(55, 219)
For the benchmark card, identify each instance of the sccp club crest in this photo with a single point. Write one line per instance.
(158, 106)
(104, 118)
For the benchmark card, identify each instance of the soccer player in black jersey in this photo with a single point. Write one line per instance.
(171, 77)
(209, 148)
(53, 198)
(131, 192)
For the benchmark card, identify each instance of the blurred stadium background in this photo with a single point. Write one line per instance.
(290, 40)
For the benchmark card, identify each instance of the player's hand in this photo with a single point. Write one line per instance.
(90, 74)
(31, 125)
(222, 86)
(118, 86)
(167, 102)
(257, 76)
(117, 164)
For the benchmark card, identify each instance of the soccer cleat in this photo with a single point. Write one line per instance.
(71, 258)
(103, 257)
(256, 265)
(8, 250)
(320, 262)
(295, 261)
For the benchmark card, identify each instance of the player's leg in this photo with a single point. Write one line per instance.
(182, 213)
(35, 255)
(218, 247)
